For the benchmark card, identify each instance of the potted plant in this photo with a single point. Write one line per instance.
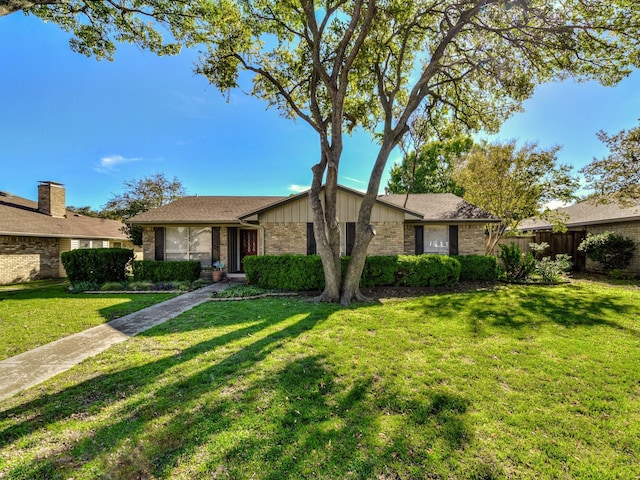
(217, 272)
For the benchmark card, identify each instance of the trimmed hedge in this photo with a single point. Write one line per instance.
(427, 270)
(286, 272)
(478, 267)
(97, 265)
(304, 272)
(159, 271)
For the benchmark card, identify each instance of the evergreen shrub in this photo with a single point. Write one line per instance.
(159, 271)
(478, 268)
(97, 265)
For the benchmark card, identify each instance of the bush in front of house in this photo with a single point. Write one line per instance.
(158, 271)
(304, 272)
(516, 265)
(611, 250)
(286, 272)
(97, 265)
(478, 268)
(427, 270)
(379, 270)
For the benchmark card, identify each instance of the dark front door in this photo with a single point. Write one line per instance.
(248, 245)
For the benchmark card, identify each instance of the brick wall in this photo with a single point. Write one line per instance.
(283, 238)
(148, 243)
(627, 229)
(28, 258)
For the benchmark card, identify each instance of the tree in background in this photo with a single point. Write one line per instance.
(98, 25)
(616, 176)
(372, 64)
(87, 211)
(429, 167)
(140, 196)
(513, 184)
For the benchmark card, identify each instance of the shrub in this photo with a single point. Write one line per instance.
(551, 270)
(516, 265)
(304, 272)
(427, 270)
(478, 267)
(286, 272)
(159, 271)
(379, 271)
(98, 265)
(611, 250)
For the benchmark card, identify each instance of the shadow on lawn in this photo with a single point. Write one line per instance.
(526, 307)
(235, 417)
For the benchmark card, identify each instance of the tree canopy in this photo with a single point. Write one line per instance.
(97, 26)
(617, 176)
(513, 183)
(140, 196)
(339, 64)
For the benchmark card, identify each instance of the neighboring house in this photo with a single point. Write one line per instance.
(230, 228)
(33, 235)
(590, 217)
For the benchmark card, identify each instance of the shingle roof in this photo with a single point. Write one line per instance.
(440, 207)
(434, 207)
(204, 210)
(19, 216)
(590, 212)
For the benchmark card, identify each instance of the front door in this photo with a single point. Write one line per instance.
(248, 245)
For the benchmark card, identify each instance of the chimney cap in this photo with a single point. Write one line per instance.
(49, 182)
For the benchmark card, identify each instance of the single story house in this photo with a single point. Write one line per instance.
(33, 235)
(591, 217)
(228, 228)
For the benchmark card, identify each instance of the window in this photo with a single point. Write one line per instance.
(89, 243)
(436, 239)
(188, 243)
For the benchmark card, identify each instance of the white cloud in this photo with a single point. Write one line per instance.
(110, 164)
(355, 180)
(298, 188)
(554, 204)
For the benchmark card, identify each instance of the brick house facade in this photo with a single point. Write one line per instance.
(33, 235)
(229, 228)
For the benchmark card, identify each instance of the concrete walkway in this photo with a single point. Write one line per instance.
(30, 368)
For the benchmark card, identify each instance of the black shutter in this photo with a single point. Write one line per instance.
(419, 229)
(350, 237)
(215, 244)
(232, 250)
(311, 240)
(453, 240)
(159, 243)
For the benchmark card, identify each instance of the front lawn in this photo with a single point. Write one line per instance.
(34, 314)
(523, 382)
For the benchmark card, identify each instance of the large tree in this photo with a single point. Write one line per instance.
(340, 64)
(140, 196)
(513, 183)
(617, 176)
(97, 26)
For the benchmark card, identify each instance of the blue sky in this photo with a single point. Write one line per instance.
(94, 125)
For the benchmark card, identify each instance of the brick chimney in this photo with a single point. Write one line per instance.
(51, 199)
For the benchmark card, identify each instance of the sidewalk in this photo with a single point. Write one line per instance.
(30, 368)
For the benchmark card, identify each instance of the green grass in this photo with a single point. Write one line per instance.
(36, 314)
(522, 382)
